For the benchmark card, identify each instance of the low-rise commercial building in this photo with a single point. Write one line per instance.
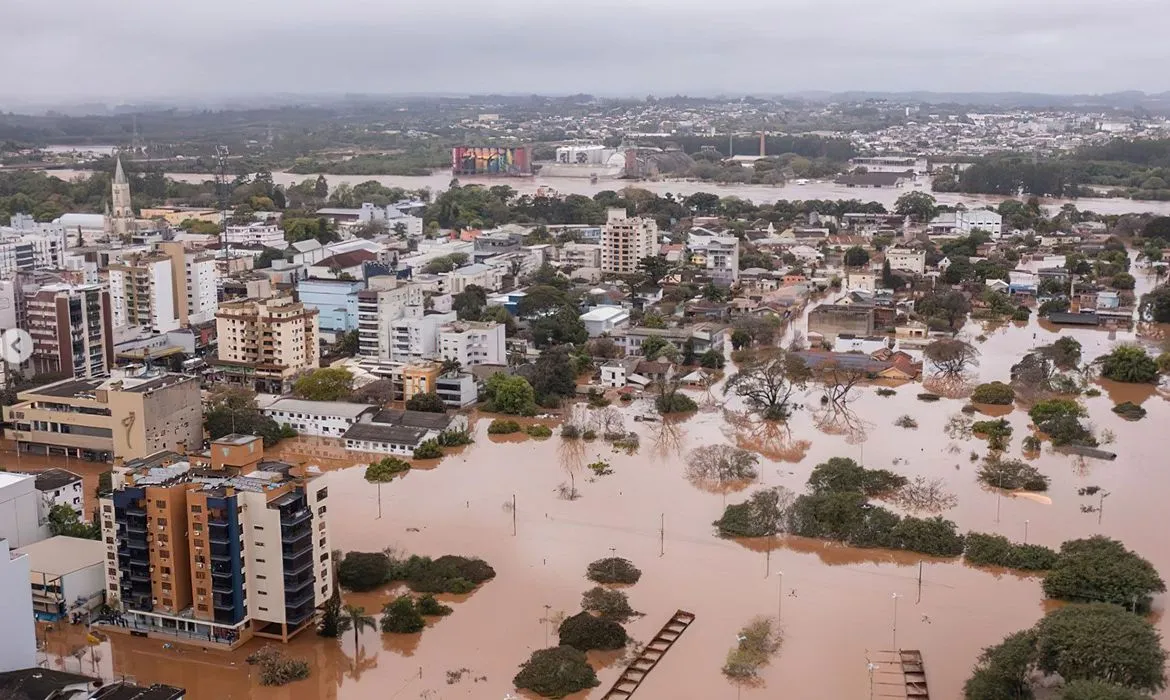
(318, 418)
(904, 260)
(67, 575)
(603, 320)
(269, 236)
(395, 432)
(101, 419)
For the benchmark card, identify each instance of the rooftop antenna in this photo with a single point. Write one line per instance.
(221, 186)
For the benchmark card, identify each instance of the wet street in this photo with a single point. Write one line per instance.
(836, 604)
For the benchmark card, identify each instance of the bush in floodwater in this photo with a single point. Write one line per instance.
(1092, 393)
(586, 632)
(589, 434)
(935, 536)
(276, 668)
(906, 422)
(429, 449)
(983, 549)
(609, 605)
(1032, 444)
(841, 474)
(994, 393)
(1012, 474)
(1130, 411)
(1066, 430)
(503, 426)
(1099, 569)
(455, 437)
(539, 431)
(556, 672)
(882, 391)
(757, 643)
(427, 605)
(761, 515)
(1098, 690)
(363, 571)
(447, 574)
(675, 402)
(998, 432)
(400, 616)
(570, 431)
(1044, 411)
(613, 570)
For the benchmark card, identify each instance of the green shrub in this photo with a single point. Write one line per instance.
(570, 431)
(613, 570)
(589, 434)
(610, 605)
(556, 672)
(998, 432)
(1022, 313)
(983, 549)
(676, 402)
(755, 645)
(585, 632)
(1130, 411)
(1099, 690)
(758, 516)
(1099, 569)
(934, 536)
(1012, 475)
(428, 450)
(882, 391)
(994, 393)
(1100, 641)
(1130, 364)
(1044, 411)
(276, 668)
(427, 605)
(1066, 430)
(503, 426)
(447, 574)
(539, 431)
(841, 474)
(363, 571)
(400, 616)
(455, 437)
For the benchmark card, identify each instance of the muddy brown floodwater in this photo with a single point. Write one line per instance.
(836, 604)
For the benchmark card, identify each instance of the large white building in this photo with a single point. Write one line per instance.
(417, 338)
(317, 418)
(473, 343)
(196, 279)
(18, 643)
(964, 221)
(605, 319)
(20, 521)
(143, 292)
(267, 235)
(67, 575)
(902, 259)
(490, 277)
(385, 301)
(625, 241)
(718, 255)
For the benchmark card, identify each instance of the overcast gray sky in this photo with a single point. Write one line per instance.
(132, 49)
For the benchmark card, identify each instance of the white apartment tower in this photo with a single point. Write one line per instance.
(195, 282)
(625, 241)
(143, 293)
(473, 343)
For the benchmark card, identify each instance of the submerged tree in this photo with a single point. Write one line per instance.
(1101, 642)
(556, 672)
(952, 357)
(764, 514)
(768, 382)
(721, 466)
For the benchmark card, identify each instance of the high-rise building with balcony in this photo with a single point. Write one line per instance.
(194, 279)
(625, 241)
(143, 292)
(71, 329)
(265, 343)
(217, 549)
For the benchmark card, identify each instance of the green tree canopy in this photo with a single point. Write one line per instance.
(427, 401)
(1130, 364)
(1099, 569)
(1101, 642)
(510, 394)
(325, 384)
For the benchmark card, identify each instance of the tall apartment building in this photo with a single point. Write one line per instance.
(71, 328)
(265, 343)
(101, 419)
(417, 338)
(143, 292)
(625, 241)
(718, 255)
(385, 301)
(580, 254)
(218, 549)
(267, 235)
(473, 343)
(195, 282)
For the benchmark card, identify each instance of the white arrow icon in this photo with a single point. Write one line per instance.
(16, 346)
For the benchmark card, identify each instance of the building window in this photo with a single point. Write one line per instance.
(325, 556)
(167, 602)
(259, 561)
(259, 527)
(264, 609)
(166, 570)
(321, 510)
(322, 493)
(111, 556)
(261, 577)
(196, 509)
(160, 504)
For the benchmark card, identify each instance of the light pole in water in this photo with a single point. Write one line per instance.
(895, 626)
(1026, 532)
(779, 600)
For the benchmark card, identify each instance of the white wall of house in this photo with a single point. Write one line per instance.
(18, 644)
(19, 518)
(316, 418)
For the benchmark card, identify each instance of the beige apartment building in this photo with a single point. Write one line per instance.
(265, 343)
(194, 287)
(142, 292)
(625, 241)
(120, 418)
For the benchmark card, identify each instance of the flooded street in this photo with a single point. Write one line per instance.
(760, 194)
(836, 603)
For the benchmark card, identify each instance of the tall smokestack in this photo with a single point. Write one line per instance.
(763, 145)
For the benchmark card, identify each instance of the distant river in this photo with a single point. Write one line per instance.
(760, 194)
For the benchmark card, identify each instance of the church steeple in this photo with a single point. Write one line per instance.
(122, 222)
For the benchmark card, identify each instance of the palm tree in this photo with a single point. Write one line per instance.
(355, 617)
(449, 367)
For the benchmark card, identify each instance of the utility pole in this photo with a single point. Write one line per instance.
(613, 562)
(662, 534)
(513, 515)
(779, 599)
(919, 582)
(1025, 532)
(895, 626)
